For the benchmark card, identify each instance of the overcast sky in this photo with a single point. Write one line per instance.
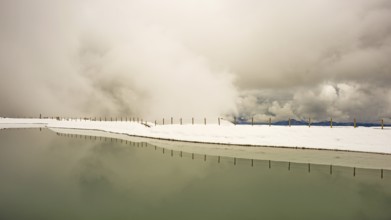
(153, 59)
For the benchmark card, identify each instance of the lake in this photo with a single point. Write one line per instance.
(48, 175)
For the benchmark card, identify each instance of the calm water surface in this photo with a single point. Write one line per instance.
(47, 176)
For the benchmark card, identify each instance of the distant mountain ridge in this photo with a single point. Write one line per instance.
(322, 123)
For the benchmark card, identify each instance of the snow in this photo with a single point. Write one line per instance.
(361, 139)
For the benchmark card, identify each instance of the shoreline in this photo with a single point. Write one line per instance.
(134, 132)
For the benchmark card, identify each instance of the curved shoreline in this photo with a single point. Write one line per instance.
(342, 139)
(307, 156)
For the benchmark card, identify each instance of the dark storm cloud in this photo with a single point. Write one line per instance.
(197, 58)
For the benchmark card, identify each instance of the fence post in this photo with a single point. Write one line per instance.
(205, 121)
(270, 122)
(289, 122)
(192, 120)
(180, 120)
(309, 122)
(252, 121)
(234, 120)
(382, 124)
(331, 122)
(355, 123)
(218, 119)
(163, 121)
(155, 122)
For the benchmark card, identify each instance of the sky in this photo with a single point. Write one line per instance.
(173, 58)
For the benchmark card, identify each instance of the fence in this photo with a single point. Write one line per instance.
(248, 121)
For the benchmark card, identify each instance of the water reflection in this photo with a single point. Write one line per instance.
(204, 156)
(68, 176)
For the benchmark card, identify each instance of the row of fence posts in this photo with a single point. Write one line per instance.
(270, 122)
(140, 120)
(110, 119)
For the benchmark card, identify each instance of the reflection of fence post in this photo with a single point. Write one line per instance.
(354, 171)
(218, 160)
(381, 173)
(234, 160)
(289, 165)
(309, 167)
(252, 162)
(331, 169)
(270, 164)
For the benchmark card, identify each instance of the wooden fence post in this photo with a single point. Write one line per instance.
(252, 121)
(180, 120)
(382, 124)
(218, 119)
(163, 121)
(331, 122)
(309, 122)
(270, 122)
(355, 123)
(205, 121)
(234, 120)
(289, 122)
(192, 120)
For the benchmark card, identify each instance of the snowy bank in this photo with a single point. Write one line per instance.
(361, 139)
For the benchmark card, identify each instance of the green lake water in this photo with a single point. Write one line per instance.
(44, 175)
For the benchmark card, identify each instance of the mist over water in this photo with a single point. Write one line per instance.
(156, 59)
